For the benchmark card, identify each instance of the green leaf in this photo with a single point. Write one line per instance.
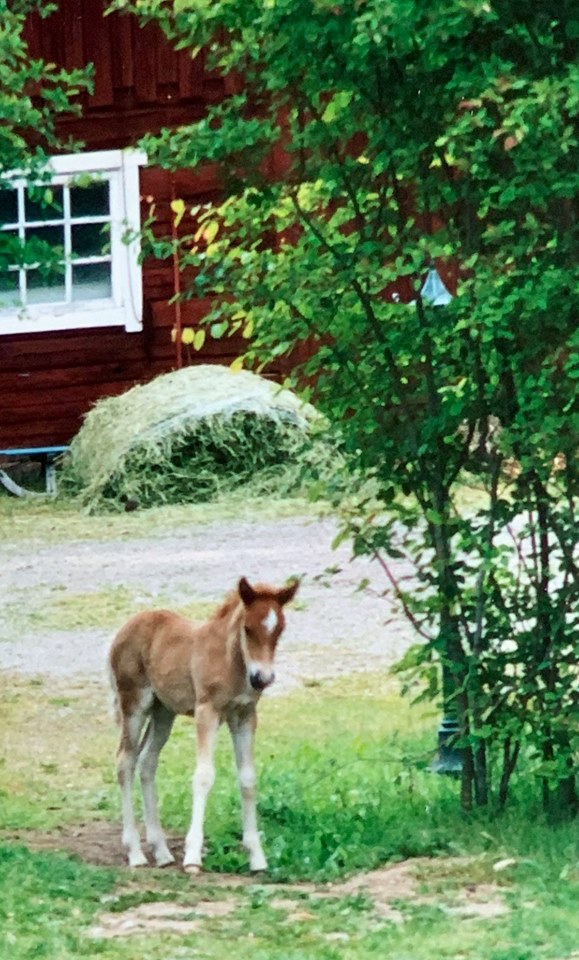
(337, 105)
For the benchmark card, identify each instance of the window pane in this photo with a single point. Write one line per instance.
(91, 281)
(43, 288)
(90, 239)
(10, 248)
(91, 200)
(44, 244)
(9, 289)
(43, 203)
(8, 207)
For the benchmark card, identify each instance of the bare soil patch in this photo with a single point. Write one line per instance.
(387, 888)
(162, 917)
(99, 843)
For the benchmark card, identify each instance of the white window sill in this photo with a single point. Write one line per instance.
(101, 313)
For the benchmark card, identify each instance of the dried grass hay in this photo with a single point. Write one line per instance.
(188, 436)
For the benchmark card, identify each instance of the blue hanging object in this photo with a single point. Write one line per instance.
(434, 290)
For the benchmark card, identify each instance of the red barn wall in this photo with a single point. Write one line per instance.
(49, 380)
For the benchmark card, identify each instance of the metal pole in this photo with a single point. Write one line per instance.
(449, 759)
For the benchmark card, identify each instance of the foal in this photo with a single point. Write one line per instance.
(162, 665)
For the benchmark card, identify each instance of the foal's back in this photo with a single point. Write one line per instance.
(154, 655)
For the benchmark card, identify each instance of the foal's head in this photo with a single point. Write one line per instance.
(262, 627)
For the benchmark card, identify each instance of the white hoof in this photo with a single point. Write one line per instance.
(192, 868)
(257, 863)
(163, 858)
(138, 859)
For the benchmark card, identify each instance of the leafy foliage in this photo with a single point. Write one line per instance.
(366, 141)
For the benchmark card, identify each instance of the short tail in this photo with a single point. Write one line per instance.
(114, 701)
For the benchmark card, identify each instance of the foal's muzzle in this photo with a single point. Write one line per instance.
(259, 680)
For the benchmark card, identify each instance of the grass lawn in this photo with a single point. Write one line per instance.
(44, 521)
(344, 788)
(345, 792)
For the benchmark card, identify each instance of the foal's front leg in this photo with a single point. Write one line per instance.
(242, 729)
(207, 724)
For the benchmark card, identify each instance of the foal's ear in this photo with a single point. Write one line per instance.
(287, 593)
(246, 591)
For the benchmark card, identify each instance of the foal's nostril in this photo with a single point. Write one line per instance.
(260, 681)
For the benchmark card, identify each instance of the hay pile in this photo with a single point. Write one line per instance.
(188, 436)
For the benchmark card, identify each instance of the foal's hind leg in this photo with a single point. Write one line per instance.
(131, 726)
(160, 724)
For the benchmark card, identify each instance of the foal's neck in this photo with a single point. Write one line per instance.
(235, 628)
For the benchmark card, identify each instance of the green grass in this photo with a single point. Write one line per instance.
(62, 610)
(42, 520)
(45, 902)
(48, 903)
(343, 786)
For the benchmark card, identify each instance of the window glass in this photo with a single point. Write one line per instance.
(91, 281)
(43, 203)
(9, 288)
(52, 237)
(63, 262)
(90, 200)
(9, 246)
(44, 288)
(89, 239)
(56, 232)
(8, 207)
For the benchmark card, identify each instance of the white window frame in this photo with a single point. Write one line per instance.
(125, 305)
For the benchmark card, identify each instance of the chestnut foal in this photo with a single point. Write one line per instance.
(162, 665)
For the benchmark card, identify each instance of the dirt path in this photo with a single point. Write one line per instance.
(334, 629)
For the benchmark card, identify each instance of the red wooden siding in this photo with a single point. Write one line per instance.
(140, 82)
(48, 381)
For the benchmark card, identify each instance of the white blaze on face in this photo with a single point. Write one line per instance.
(271, 621)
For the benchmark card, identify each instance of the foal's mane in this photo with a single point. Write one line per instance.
(261, 590)
(230, 603)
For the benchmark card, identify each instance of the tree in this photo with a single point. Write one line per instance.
(33, 94)
(415, 133)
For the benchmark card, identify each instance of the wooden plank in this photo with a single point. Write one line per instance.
(219, 351)
(17, 383)
(33, 35)
(123, 40)
(192, 312)
(191, 73)
(51, 39)
(38, 351)
(72, 33)
(167, 61)
(43, 404)
(106, 129)
(188, 184)
(98, 50)
(57, 432)
(146, 78)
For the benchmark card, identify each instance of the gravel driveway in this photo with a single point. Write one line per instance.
(332, 630)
